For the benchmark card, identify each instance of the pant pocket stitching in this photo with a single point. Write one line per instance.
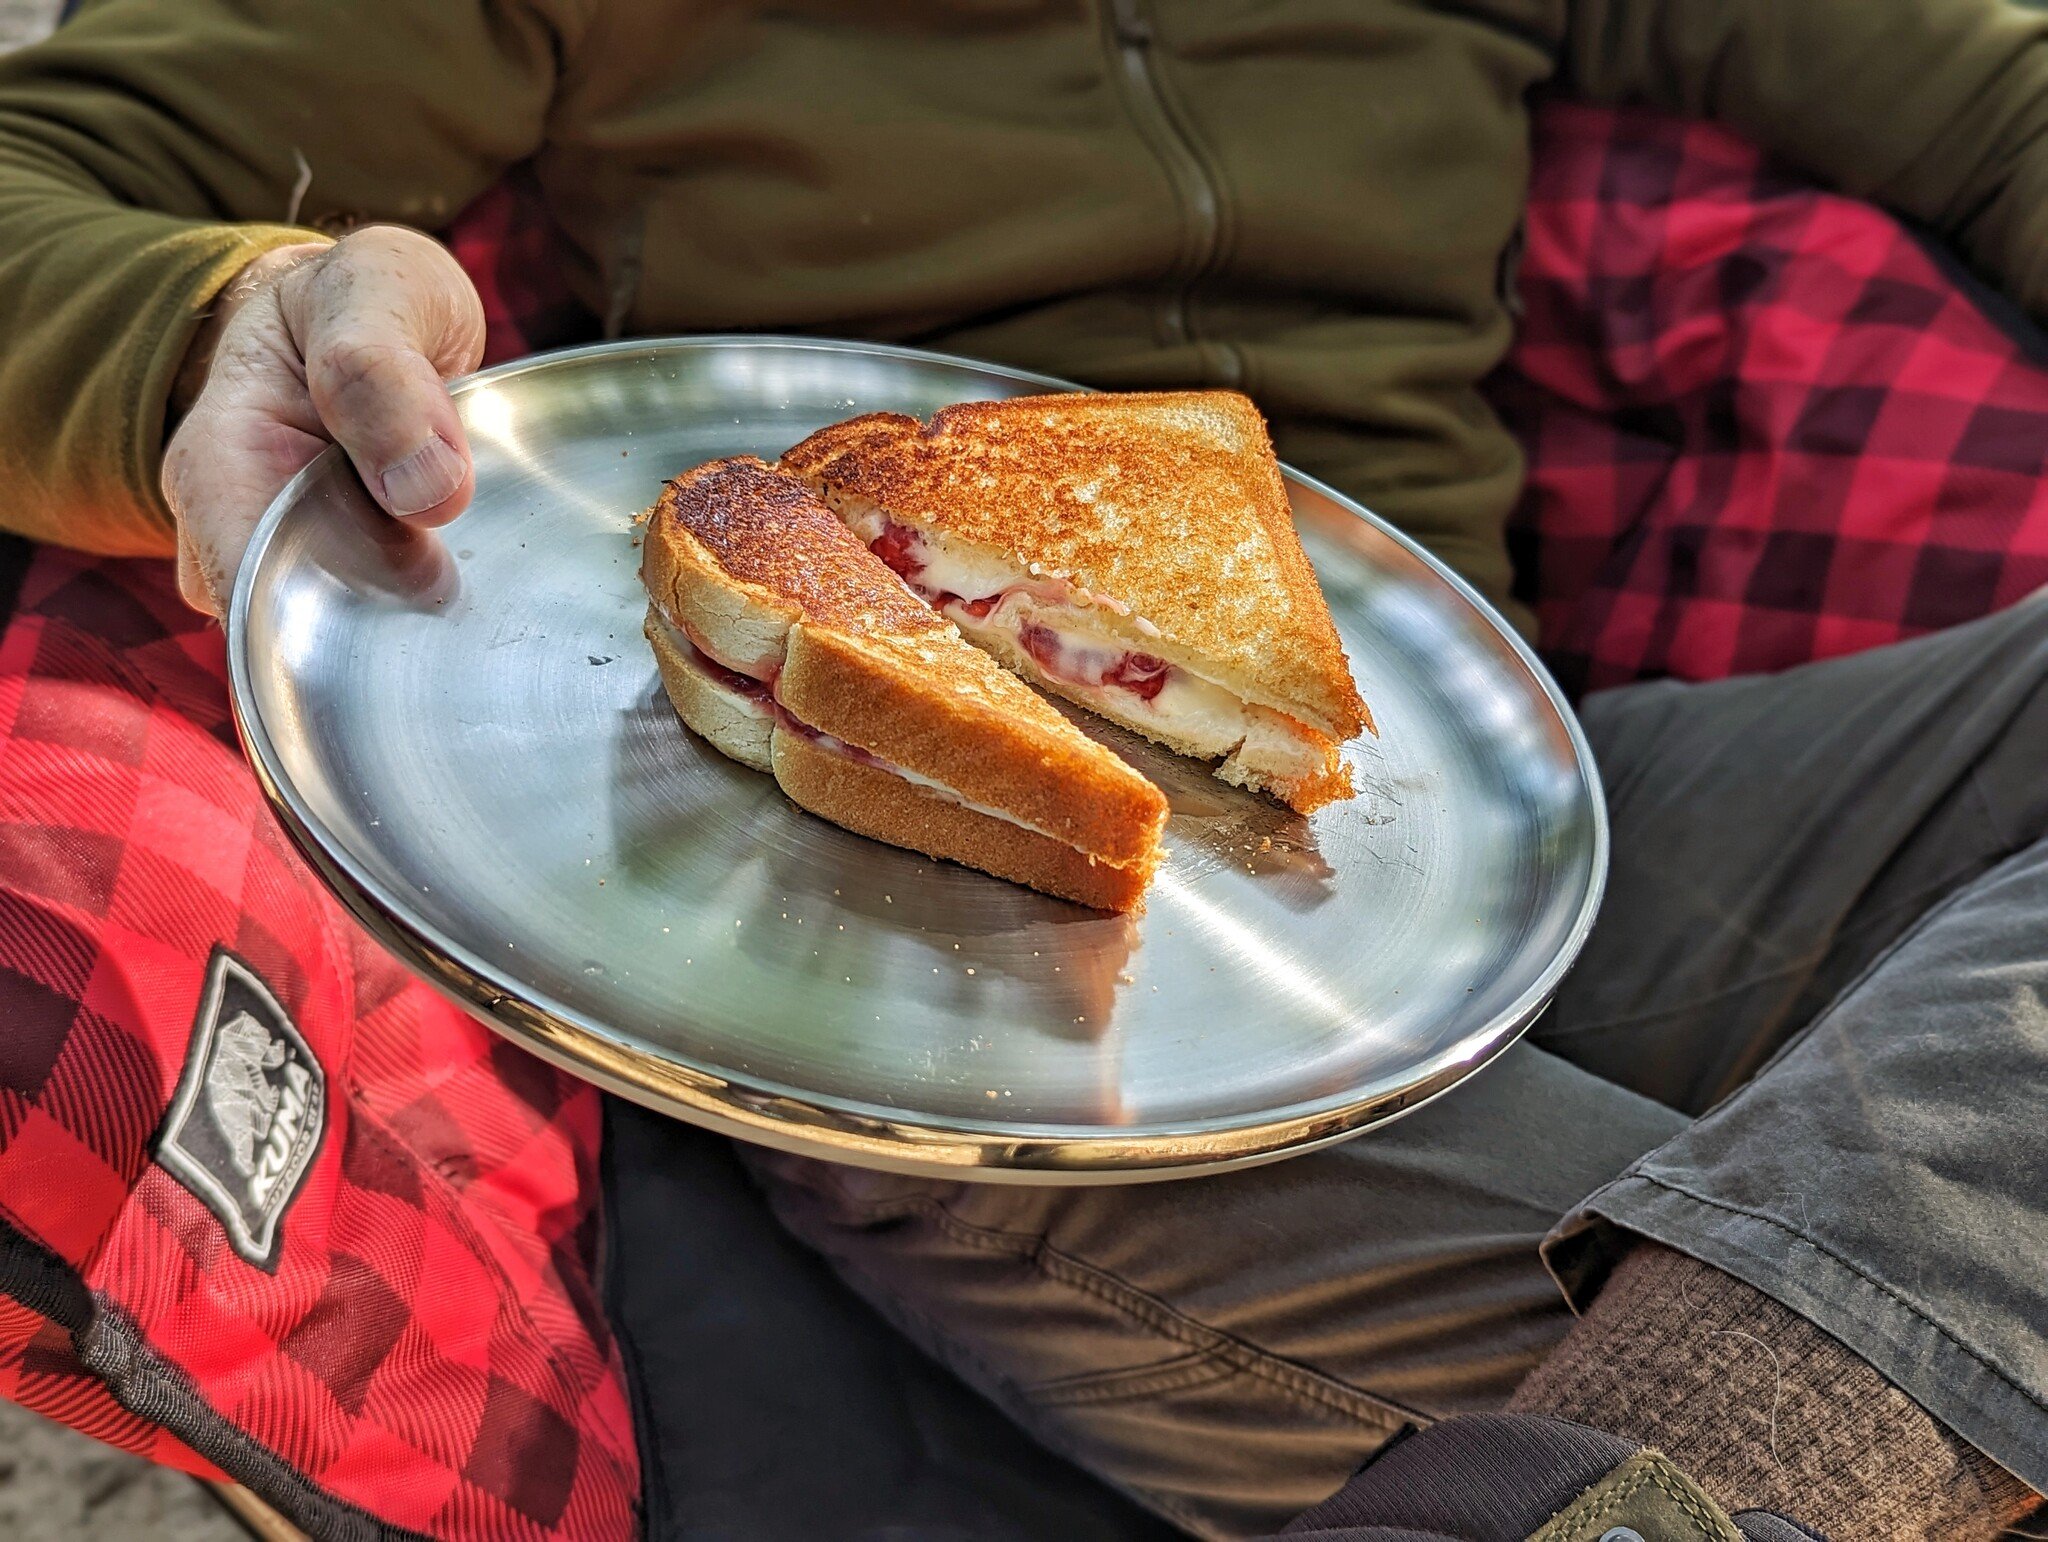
(1011, 1397)
(1120, 1295)
(1095, 1389)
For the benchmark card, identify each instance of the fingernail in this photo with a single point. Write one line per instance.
(424, 478)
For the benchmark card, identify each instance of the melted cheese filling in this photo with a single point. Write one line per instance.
(1055, 625)
(750, 693)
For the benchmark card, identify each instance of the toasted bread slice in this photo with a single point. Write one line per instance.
(872, 802)
(1134, 553)
(773, 625)
(736, 722)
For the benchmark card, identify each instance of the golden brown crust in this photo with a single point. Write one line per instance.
(760, 528)
(880, 670)
(880, 696)
(745, 622)
(1303, 794)
(871, 802)
(1171, 502)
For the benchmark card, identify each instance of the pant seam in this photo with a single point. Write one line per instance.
(2007, 845)
(1888, 1291)
(1122, 1296)
(1807, 960)
(1003, 1390)
(1193, 1359)
(1834, 1004)
(1813, 961)
(1990, 810)
(1122, 1386)
(1939, 891)
(1850, 987)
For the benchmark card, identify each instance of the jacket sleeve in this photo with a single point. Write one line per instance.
(151, 148)
(1936, 108)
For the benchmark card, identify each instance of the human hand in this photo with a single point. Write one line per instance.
(314, 345)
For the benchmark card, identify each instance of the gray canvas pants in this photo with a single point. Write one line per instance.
(1807, 1043)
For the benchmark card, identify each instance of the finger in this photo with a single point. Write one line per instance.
(381, 322)
(221, 471)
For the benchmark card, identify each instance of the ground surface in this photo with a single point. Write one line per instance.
(56, 1486)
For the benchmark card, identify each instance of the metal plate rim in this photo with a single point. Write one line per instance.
(776, 1115)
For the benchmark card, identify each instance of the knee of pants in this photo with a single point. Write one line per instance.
(813, 1196)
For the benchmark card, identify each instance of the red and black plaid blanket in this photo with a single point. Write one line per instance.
(1764, 424)
(270, 1208)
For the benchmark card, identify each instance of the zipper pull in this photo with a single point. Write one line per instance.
(1133, 26)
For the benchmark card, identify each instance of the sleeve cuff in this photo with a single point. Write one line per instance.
(198, 264)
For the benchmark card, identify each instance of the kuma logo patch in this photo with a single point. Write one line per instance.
(248, 1112)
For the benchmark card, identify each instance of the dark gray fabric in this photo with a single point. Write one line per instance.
(1878, 885)
(1762, 1526)
(1228, 1349)
(771, 1406)
(1484, 1478)
(1887, 1177)
(1774, 834)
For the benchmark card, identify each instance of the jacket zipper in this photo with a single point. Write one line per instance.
(1131, 31)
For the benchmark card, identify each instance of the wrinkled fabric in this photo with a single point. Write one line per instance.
(1314, 201)
(1764, 423)
(1805, 1044)
(425, 1353)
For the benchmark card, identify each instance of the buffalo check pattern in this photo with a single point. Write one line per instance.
(1764, 425)
(39, 1369)
(429, 1354)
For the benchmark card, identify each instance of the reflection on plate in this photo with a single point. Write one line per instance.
(466, 735)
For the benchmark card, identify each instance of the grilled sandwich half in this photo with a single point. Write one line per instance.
(1133, 553)
(794, 649)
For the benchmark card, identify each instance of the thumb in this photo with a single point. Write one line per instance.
(381, 322)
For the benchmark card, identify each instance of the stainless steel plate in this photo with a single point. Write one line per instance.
(466, 735)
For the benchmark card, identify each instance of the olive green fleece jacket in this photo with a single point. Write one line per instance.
(1306, 199)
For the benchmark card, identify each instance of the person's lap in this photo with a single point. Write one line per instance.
(1774, 834)
(1230, 1348)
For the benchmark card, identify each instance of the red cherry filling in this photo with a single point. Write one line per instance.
(1139, 673)
(1144, 676)
(902, 548)
(734, 681)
